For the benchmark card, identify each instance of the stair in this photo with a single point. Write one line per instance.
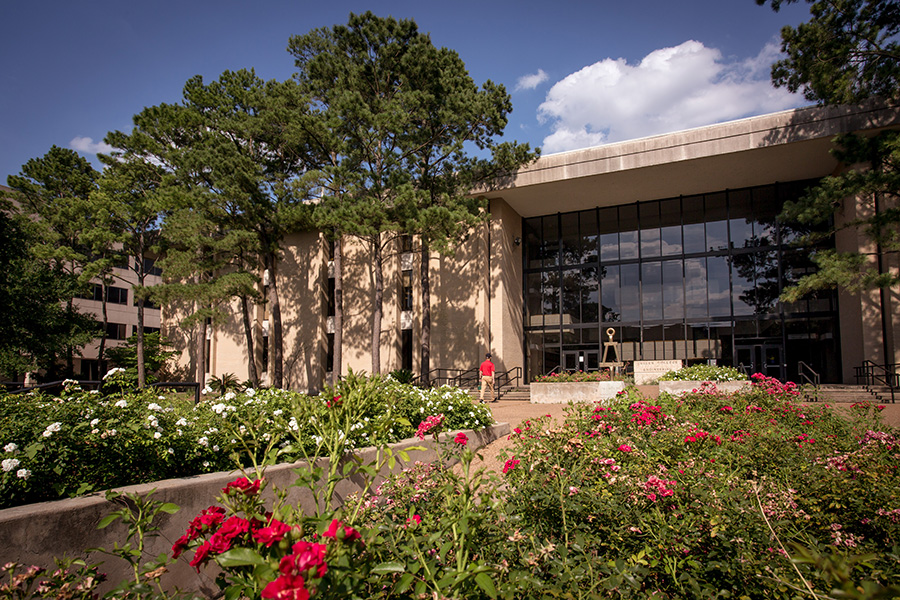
(513, 394)
(835, 393)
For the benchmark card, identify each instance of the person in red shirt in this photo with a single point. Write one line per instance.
(487, 377)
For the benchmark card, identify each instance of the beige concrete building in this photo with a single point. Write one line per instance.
(672, 241)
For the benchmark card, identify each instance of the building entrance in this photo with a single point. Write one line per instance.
(581, 360)
(766, 358)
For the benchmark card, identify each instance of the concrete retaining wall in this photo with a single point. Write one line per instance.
(677, 388)
(582, 391)
(37, 533)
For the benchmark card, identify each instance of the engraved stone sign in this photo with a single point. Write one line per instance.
(646, 371)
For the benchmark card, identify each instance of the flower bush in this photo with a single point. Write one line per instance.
(77, 442)
(704, 373)
(577, 376)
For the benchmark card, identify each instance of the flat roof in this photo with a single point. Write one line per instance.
(784, 146)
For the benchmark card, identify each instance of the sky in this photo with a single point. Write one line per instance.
(580, 73)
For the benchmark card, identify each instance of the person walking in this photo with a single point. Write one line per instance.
(487, 377)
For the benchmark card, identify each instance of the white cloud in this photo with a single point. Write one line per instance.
(89, 146)
(671, 89)
(530, 82)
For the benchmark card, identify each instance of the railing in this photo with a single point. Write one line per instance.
(88, 383)
(466, 379)
(808, 376)
(743, 369)
(441, 376)
(85, 383)
(506, 380)
(870, 374)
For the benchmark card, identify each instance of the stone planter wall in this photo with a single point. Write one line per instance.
(586, 391)
(35, 534)
(682, 387)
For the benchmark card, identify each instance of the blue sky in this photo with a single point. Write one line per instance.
(580, 73)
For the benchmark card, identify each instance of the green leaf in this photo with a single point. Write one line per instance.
(107, 521)
(169, 508)
(390, 567)
(486, 584)
(239, 557)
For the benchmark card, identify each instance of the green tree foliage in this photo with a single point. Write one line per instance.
(848, 52)
(156, 352)
(400, 119)
(37, 324)
(54, 193)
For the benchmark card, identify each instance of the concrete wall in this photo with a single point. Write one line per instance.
(36, 533)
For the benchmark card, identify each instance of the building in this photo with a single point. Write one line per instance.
(670, 241)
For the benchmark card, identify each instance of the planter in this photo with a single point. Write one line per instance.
(34, 534)
(676, 388)
(583, 391)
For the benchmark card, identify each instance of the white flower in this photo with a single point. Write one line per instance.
(228, 396)
(121, 403)
(277, 412)
(218, 408)
(206, 464)
(23, 473)
(51, 429)
(10, 447)
(95, 431)
(112, 372)
(171, 450)
(10, 463)
(206, 390)
(157, 435)
(94, 422)
(204, 441)
(181, 422)
(250, 391)
(160, 397)
(154, 406)
(215, 448)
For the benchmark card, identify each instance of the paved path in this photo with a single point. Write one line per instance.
(514, 412)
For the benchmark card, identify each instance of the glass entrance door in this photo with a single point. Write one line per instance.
(765, 358)
(581, 360)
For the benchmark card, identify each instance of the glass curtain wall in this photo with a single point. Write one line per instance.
(695, 278)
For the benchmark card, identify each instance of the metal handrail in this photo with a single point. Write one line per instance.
(807, 374)
(504, 379)
(467, 378)
(55, 384)
(872, 374)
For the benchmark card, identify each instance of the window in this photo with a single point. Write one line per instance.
(331, 298)
(116, 331)
(150, 267)
(406, 290)
(406, 243)
(116, 295)
(406, 349)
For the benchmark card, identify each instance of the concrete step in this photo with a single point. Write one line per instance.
(835, 393)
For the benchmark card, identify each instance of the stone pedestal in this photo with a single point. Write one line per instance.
(584, 391)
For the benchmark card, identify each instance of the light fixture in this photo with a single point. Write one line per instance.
(517, 241)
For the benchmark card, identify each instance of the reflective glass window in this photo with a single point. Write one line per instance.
(670, 226)
(765, 212)
(570, 238)
(628, 232)
(672, 290)
(719, 289)
(550, 295)
(534, 299)
(609, 289)
(716, 222)
(695, 288)
(590, 295)
(589, 235)
(648, 213)
(550, 242)
(651, 291)
(608, 227)
(630, 286)
(740, 218)
(694, 228)
(531, 230)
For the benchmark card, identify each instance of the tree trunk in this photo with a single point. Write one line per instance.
(201, 355)
(336, 365)
(376, 308)
(248, 333)
(425, 363)
(100, 368)
(275, 331)
(141, 367)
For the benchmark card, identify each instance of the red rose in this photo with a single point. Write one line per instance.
(286, 587)
(244, 486)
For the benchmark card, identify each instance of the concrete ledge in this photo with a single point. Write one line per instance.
(580, 391)
(35, 534)
(676, 388)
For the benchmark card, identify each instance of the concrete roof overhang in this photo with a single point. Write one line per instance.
(784, 146)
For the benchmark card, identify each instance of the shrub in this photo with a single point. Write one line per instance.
(577, 376)
(704, 373)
